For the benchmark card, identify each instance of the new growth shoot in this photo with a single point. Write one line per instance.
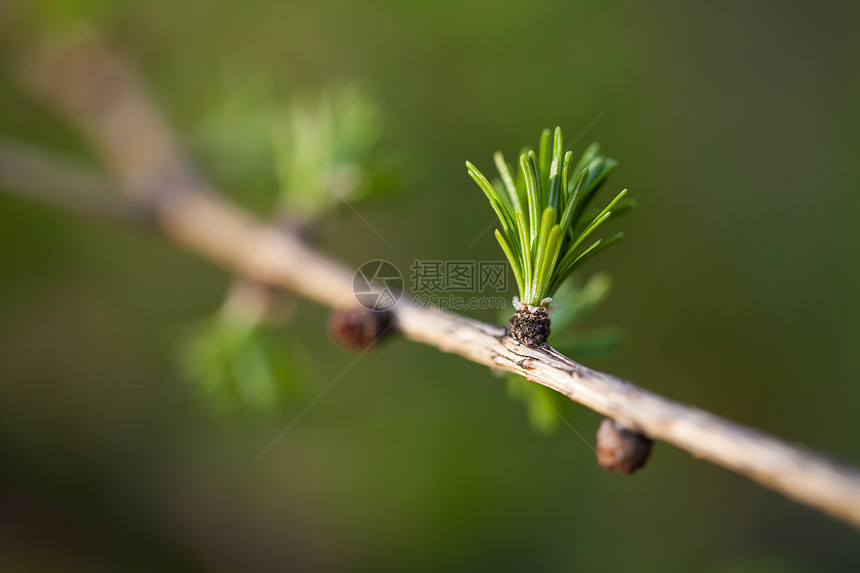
(546, 226)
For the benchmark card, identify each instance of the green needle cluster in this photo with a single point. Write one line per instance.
(544, 216)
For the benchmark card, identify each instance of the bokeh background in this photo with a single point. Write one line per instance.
(737, 127)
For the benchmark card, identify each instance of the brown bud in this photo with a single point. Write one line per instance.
(621, 450)
(358, 328)
(530, 327)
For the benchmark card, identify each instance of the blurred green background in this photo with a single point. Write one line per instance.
(737, 128)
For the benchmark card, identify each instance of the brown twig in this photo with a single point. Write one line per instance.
(58, 181)
(100, 92)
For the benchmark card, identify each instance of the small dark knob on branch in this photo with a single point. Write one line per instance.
(621, 450)
(530, 326)
(358, 328)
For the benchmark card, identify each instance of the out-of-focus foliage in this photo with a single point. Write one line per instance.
(326, 150)
(327, 155)
(238, 362)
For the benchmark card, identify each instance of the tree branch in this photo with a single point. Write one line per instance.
(100, 92)
(56, 180)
